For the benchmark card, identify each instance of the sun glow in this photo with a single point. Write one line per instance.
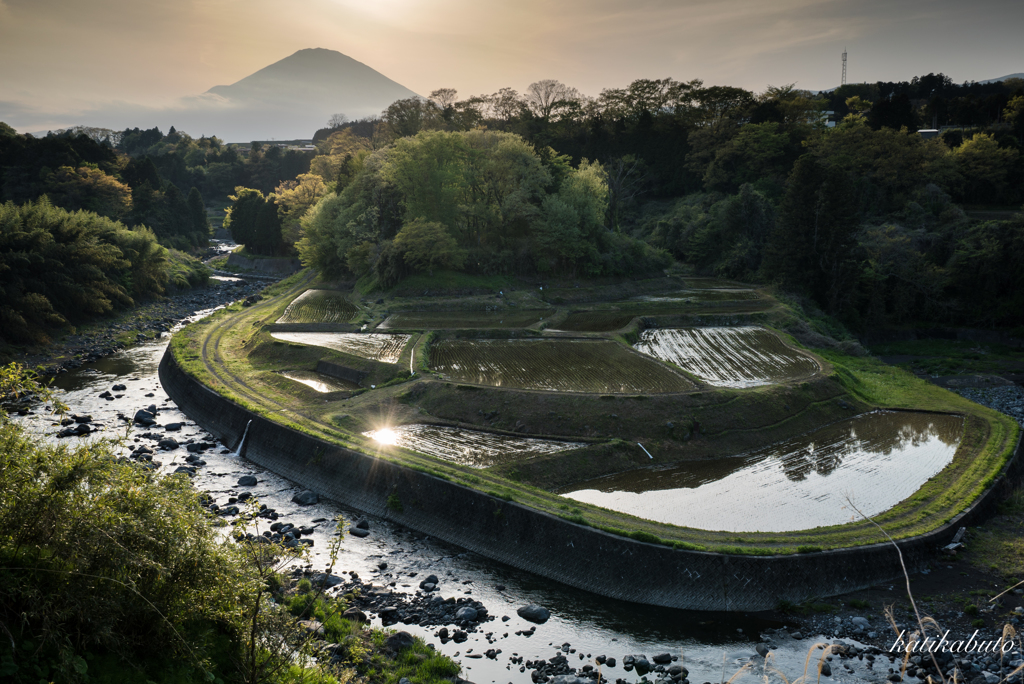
(385, 436)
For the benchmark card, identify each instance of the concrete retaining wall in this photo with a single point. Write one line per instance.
(546, 545)
(336, 370)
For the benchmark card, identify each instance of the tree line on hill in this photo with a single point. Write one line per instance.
(857, 212)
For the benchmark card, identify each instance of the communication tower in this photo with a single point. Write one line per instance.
(844, 66)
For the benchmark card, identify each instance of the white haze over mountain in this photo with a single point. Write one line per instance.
(289, 99)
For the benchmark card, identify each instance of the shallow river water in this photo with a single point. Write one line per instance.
(711, 646)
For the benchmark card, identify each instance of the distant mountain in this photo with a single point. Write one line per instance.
(290, 99)
(293, 98)
(1003, 78)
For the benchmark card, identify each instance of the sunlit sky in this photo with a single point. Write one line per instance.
(59, 56)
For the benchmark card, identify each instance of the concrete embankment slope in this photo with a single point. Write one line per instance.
(576, 555)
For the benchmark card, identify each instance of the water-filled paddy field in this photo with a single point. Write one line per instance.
(373, 346)
(598, 366)
(319, 381)
(594, 321)
(702, 295)
(319, 306)
(467, 447)
(878, 458)
(454, 320)
(742, 356)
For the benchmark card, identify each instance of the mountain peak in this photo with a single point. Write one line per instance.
(315, 80)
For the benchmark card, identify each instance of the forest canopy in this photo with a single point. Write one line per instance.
(480, 201)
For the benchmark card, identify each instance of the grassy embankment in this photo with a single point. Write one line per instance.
(726, 421)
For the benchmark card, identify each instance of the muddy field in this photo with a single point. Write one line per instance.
(745, 356)
(373, 346)
(467, 447)
(454, 320)
(599, 366)
(320, 306)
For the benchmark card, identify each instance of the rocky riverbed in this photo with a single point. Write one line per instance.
(149, 320)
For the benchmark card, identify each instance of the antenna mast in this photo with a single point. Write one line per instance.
(844, 66)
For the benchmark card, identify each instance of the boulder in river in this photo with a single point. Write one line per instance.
(466, 613)
(247, 481)
(145, 418)
(305, 498)
(167, 444)
(534, 613)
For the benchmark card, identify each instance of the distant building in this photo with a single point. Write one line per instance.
(928, 133)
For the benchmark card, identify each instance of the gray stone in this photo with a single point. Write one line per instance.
(363, 524)
(305, 498)
(312, 626)
(327, 581)
(534, 613)
(144, 418)
(167, 444)
(172, 427)
(861, 622)
(826, 670)
(247, 481)
(642, 666)
(665, 658)
(399, 641)
(355, 615)
(761, 649)
(466, 613)
(358, 532)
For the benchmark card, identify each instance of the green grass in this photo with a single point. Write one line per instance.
(442, 281)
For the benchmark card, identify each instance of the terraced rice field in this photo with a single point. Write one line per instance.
(467, 447)
(320, 306)
(878, 458)
(319, 382)
(373, 346)
(742, 356)
(695, 296)
(556, 365)
(594, 321)
(454, 320)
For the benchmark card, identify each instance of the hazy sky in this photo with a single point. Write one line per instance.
(59, 56)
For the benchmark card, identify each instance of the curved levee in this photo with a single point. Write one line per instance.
(218, 373)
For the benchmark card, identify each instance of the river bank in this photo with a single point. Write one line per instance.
(104, 337)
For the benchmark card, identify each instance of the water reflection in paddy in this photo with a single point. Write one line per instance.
(319, 381)
(467, 447)
(878, 458)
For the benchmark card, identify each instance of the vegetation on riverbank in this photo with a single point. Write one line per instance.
(101, 559)
(60, 268)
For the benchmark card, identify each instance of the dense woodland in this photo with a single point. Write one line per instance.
(833, 196)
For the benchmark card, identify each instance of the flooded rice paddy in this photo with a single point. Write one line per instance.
(743, 356)
(557, 365)
(467, 447)
(878, 458)
(373, 346)
(319, 381)
(595, 321)
(319, 306)
(702, 295)
(454, 320)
